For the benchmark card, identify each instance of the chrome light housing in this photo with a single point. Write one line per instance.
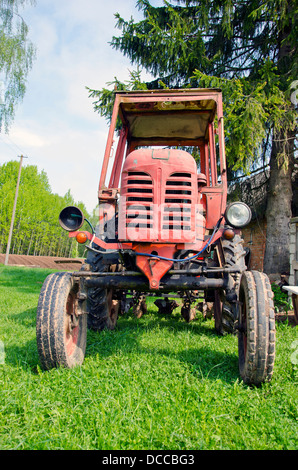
(238, 214)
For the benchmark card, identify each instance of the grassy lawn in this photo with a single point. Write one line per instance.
(154, 383)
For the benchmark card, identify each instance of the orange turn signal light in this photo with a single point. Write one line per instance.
(229, 234)
(81, 237)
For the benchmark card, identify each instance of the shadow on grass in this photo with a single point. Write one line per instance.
(203, 360)
(25, 357)
(207, 358)
(24, 279)
(27, 318)
(20, 349)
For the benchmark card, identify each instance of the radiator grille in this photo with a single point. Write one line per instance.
(158, 197)
(178, 201)
(139, 206)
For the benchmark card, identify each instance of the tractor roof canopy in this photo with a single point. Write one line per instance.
(168, 116)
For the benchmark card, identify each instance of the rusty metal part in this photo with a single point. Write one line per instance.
(187, 272)
(140, 306)
(188, 312)
(168, 284)
(166, 306)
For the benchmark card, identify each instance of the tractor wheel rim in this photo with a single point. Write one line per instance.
(244, 328)
(72, 332)
(72, 340)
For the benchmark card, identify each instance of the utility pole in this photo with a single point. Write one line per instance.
(13, 213)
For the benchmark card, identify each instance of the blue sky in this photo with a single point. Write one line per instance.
(55, 125)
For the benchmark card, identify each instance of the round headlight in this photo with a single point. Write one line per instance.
(238, 214)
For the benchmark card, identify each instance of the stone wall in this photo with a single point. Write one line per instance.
(293, 280)
(254, 236)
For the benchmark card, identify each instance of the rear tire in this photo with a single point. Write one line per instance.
(226, 313)
(103, 310)
(256, 336)
(61, 334)
(235, 256)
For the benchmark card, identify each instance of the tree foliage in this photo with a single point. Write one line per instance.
(247, 48)
(236, 46)
(222, 37)
(36, 228)
(16, 58)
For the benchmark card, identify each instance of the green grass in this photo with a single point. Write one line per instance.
(154, 383)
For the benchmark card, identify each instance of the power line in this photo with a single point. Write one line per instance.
(11, 144)
(8, 145)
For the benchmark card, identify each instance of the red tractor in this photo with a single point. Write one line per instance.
(164, 230)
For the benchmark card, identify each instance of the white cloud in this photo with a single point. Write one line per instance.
(71, 159)
(27, 138)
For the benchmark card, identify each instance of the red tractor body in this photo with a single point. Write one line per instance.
(155, 188)
(164, 230)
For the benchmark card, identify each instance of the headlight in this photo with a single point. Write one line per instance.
(238, 214)
(71, 218)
